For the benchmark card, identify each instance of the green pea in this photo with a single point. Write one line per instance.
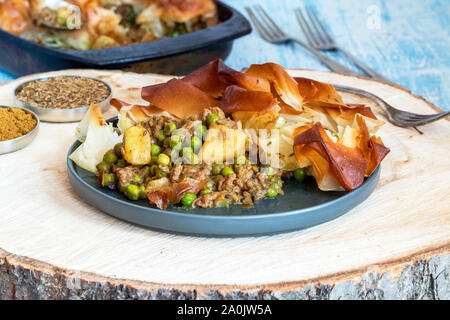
(163, 159)
(155, 150)
(117, 148)
(196, 143)
(169, 128)
(216, 169)
(205, 191)
(104, 166)
(241, 160)
(110, 157)
(109, 178)
(132, 192)
(61, 20)
(142, 193)
(121, 163)
(211, 118)
(226, 171)
(299, 174)
(123, 188)
(153, 169)
(210, 185)
(186, 151)
(146, 171)
(160, 173)
(176, 141)
(190, 158)
(154, 160)
(272, 192)
(147, 180)
(188, 198)
(137, 179)
(278, 183)
(268, 170)
(160, 136)
(200, 131)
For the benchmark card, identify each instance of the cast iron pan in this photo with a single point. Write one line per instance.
(179, 55)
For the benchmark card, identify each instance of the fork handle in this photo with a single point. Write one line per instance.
(333, 65)
(364, 67)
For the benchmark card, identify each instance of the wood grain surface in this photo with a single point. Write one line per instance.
(396, 244)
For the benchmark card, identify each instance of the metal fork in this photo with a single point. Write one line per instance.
(396, 116)
(271, 32)
(321, 40)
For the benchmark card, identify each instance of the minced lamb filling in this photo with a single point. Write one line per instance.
(175, 166)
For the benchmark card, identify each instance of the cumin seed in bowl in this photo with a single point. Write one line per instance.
(63, 92)
(64, 98)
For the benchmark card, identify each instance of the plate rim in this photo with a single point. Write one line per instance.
(347, 201)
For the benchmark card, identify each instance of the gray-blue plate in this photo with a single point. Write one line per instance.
(302, 206)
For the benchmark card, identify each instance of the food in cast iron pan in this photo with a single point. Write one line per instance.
(219, 136)
(100, 24)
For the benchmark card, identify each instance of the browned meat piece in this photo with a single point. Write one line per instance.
(227, 123)
(126, 175)
(247, 201)
(200, 172)
(175, 173)
(214, 199)
(189, 125)
(155, 123)
(228, 183)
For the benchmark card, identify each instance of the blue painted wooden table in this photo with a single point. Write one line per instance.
(407, 41)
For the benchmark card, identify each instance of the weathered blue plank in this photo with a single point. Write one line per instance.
(407, 41)
(409, 44)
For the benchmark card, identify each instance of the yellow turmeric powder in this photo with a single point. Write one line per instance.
(15, 122)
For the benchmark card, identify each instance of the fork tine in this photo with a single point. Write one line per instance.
(270, 23)
(418, 118)
(319, 34)
(329, 38)
(300, 22)
(259, 26)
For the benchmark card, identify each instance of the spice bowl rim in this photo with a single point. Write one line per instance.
(59, 114)
(11, 145)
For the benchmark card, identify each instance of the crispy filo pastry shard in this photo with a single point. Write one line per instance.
(237, 99)
(215, 77)
(346, 116)
(135, 112)
(14, 16)
(179, 98)
(340, 163)
(315, 93)
(97, 138)
(283, 86)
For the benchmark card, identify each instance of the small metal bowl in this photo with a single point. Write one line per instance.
(61, 115)
(19, 142)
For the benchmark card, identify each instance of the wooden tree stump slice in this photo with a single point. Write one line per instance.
(395, 245)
